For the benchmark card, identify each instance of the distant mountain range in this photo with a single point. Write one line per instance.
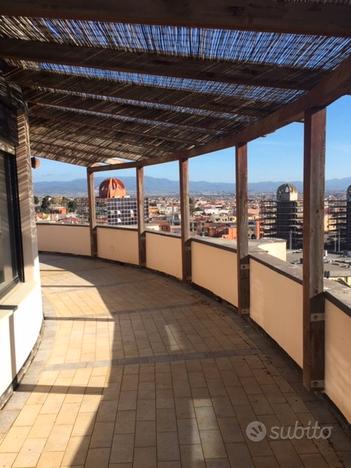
(160, 186)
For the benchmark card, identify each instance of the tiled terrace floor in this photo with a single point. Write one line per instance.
(139, 370)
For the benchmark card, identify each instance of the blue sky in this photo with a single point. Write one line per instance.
(279, 156)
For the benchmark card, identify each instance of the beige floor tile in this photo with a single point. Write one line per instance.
(7, 459)
(50, 460)
(58, 439)
(29, 453)
(76, 451)
(14, 439)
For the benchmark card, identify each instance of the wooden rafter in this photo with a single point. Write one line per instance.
(87, 147)
(55, 120)
(70, 152)
(78, 158)
(254, 74)
(96, 139)
(188, 102)
(109, 137)
(83, 109)
(160, 117)
(111, 167)
(257, 15)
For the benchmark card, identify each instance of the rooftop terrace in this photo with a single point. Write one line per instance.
(136, 369)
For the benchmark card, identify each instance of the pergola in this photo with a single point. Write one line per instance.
(114, 85)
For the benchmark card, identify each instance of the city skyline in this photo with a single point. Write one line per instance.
(265, 156)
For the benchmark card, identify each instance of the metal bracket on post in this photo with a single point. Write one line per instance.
(317, 384)
(245, 311)
(318, 317)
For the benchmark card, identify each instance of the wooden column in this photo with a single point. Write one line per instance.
(313, 247)
(243, 264)
(92, 213)
(185, 218)
(141, 215)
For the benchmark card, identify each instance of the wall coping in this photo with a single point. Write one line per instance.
(213, 243)
(46, 223)
(161, 233)
(121, 228)
(286, 269)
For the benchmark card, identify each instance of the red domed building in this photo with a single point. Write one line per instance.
(114, 206)
(112, 188)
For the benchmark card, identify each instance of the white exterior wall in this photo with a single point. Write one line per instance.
(19, 329)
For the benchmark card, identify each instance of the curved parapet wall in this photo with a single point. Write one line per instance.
(338, 352)
(275, 292)
(276, 304)
(64, 238)
(214, 268)
(164, 253)
(19, 330)
(119, 244)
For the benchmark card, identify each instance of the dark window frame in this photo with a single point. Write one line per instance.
(14, 216)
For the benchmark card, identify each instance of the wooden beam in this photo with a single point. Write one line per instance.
(313, 249)
(335, 85)
(185, 219)
(85, 109)
(89, 133)
(77, 161)
(129, 113)
(113, 167)
(98, 151)
(147, 63)
(71, 152)
(140, 95)
(92, 214)
(257, 15)
(243, 264)
(141, 215)
(55, 119)
(58, 153)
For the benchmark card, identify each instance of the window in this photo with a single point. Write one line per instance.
(11, 269)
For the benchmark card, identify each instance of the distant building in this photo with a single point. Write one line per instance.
(282, 218)
(336, 224)
(112, 188)
(348, 218)
(289, 216)
(113, 206)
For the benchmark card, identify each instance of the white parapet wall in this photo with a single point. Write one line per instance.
(276, 305)
(338, 357)
(64, 238)
(19, 330)
(164, 253)
(214, 268)
(119, 244)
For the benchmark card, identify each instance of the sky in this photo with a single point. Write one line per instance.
(276, 157)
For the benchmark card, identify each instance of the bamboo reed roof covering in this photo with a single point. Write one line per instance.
(103, 82)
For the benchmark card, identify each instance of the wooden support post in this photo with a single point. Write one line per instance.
(243, 264)
(92, 213)
(313, 248)
(185, 219)
(141, 215)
